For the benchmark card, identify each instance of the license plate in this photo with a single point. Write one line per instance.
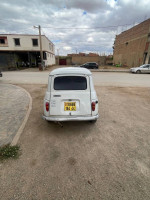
(70, 106)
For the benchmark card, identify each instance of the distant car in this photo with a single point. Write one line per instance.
(90, 65)
(1, 74)
(142, 69)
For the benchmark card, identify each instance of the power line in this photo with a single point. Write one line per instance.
(88, 28)
(13, 21)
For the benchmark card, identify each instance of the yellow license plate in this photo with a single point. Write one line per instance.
(70, 106)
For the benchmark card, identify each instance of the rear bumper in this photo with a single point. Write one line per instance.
(72, 118)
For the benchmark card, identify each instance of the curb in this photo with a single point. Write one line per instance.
(20, 130)
(120, 71)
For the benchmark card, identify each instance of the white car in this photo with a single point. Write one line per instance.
(70, 96)
(142, 69)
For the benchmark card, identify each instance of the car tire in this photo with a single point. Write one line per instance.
(93, 121)
(138, 72)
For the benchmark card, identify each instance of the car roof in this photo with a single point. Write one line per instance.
(70, 70)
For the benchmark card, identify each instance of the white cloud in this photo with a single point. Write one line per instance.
(90, 39)
(67, 48)
(112, 3)
(69, 26)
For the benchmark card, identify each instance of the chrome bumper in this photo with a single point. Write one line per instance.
(73, 118)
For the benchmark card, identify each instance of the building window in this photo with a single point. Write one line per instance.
(145, 56)
(44, 56)
(50, 46)
(2, 41)
(149, 37)
(35, 42)
(17, 41)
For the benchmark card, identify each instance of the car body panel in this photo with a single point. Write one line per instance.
(59, 97)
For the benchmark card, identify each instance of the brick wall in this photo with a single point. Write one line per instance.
(130, 45)
(79, 60)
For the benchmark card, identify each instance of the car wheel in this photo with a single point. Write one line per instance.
(138, 72)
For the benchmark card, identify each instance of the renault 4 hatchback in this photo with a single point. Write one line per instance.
(70, 96)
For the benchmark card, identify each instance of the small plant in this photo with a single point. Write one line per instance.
(118, 65)
(8, 151)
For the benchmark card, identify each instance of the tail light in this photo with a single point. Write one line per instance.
(93, 106)
(47, 106)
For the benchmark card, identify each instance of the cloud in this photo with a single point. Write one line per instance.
(88, 5)
(74, 24)
(67, 48)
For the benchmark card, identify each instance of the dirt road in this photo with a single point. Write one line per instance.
(106, 160)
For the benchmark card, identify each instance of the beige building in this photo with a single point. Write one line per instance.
(17, 50)
(132, 47)
(81, 58)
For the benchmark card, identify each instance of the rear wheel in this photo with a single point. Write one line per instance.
(138, 72)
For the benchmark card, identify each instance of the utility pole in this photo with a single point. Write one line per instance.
(58, 55)
(41, 53)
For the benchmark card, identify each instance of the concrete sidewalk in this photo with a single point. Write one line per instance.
(111, 70)
(14, 106)
(49, 69)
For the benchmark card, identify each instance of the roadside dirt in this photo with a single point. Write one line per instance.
(54, 67)
(105, 160)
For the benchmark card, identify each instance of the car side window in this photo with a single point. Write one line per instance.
(146, 66)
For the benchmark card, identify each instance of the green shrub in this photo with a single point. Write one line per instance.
(8, 151)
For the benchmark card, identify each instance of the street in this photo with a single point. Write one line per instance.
(81, 160)
(100, 78)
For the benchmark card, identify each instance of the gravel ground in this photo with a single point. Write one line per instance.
(107, 160)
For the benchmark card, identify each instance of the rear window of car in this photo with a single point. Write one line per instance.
(70, 83)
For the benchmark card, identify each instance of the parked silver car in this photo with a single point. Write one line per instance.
(142, 69)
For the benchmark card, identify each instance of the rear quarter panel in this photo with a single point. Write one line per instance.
(93, 96)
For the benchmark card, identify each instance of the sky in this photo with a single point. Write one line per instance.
(74, 25)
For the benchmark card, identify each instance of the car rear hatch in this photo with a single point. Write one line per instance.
(70, 96)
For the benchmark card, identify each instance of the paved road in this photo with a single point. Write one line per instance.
(100, 78)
